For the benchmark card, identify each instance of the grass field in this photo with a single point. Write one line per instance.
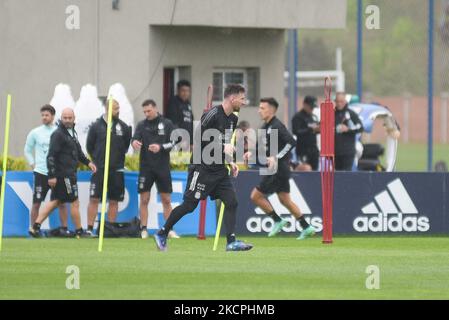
(413, 157)
(280, 268)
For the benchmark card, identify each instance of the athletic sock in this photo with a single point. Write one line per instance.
(37, 226)
(64, 228)
(303, 222)
(230, 238)
(163, 232)
(274, 216)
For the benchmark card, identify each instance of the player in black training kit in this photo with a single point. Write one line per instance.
(96, 147)
(152, 138)
(278, 181)
(209, 176)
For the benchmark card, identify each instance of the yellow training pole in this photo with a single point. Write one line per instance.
(106, 174)
(5, 161)
(222, 206)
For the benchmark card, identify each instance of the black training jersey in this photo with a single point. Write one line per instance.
(96, 142)
(216, 131)
(181, 114)
(285, 141)
(156, 131)
(302, 124)
(345, 141)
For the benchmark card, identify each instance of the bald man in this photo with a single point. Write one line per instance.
(62, 162)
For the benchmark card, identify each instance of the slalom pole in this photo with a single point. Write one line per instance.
(105, 174)
(327, 157)
(5, 161)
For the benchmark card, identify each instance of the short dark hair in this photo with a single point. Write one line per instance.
(183, 83)
(243, 125)
(271, 101)
(233, 88)
(310, 101)
(49, 108)
(149, 102)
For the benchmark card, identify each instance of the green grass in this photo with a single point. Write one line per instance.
(279, 268)
(413, 157)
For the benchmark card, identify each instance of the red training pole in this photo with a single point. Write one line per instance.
(327, 159)
(203, 203)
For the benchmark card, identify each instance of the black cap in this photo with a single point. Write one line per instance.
(311, 101)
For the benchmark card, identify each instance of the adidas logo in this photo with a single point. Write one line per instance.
(264, 223)
(392, 210)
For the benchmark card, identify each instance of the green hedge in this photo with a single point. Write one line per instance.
(15, 164)
(179, 162)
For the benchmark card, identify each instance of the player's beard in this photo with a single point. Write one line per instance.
(236, 108)
(68, 125)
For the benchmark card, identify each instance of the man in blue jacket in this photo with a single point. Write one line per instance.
(36, 150)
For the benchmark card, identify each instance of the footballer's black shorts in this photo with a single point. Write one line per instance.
(275, 183)
(162, 178)
(116, 185)
(311, 158)
(202, 183)
(66, 190)
(41, 187)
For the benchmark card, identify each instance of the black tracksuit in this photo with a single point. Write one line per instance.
(181, 114)
(155, 167)
(345, 141)
(214, 119)
(210, 179)
(64, 154)
(306, 143)
(62, 161)
(120, 139)
(96, 147)
(279, 181)
(156, 131)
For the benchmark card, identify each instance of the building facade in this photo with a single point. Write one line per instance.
(147, 46)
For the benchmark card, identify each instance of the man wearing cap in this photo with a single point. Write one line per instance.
(306, 126)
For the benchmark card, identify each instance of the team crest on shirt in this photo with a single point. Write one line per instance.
(161, 129)
(118, 130)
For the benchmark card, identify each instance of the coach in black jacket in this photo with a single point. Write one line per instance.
(96, 147)
(62, 160)
(347, 126)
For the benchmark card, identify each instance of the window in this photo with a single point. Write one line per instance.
(248, 77)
